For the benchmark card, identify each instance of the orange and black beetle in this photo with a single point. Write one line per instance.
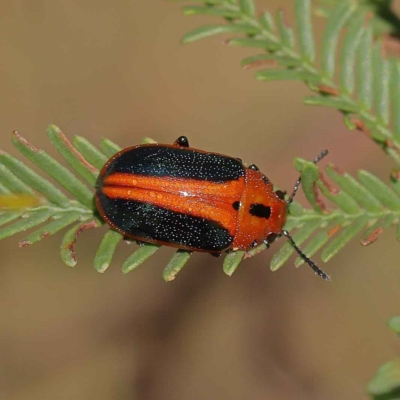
(178, 196)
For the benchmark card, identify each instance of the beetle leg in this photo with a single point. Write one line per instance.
(216, 254)
(130, 240)
(281, 194)
(254, 244)
(271, 238)
(127, 239)
(182, 141)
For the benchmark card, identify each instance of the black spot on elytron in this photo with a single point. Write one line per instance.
(236, 205)
(260, 211)
(265, 179)
(280, 194)
(254, 167)
(182, 141)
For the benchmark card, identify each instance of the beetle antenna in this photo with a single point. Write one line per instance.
(297, 184)
(314, 266)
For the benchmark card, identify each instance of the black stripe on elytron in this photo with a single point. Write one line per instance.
(259, 210)
(149, 222)
(176, 162)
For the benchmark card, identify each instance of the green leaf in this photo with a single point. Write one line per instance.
(9, 217)
(247, 7)
(219, 12)
(34, 180)
(8, 179)
(109, 148)
(331, 36)
(72, 156)
(147, 140)
(394, 324)
(69, 240)
(92, 155)
(296, 209)
(139, 257)
(334, 102)
(53, 168)
(347, 233)
(232, 261)
(252, 252)
(349, 51)
(106, 250)
(282, 74)
(249, 42)
(364, 70)
(267, 22)
(262, 59)
(286, 34)
(381, 84)
(51, 228)
(386, 379)
(394, 96)
(354, 189)
(177, 262)
(304, 29)
(33, 219)
(309, 176)
(340, 198)
(372, 233)
(4, 190)
(379, 190)
(211, 30)
(319, 240)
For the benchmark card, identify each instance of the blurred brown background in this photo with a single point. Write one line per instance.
(117, 69)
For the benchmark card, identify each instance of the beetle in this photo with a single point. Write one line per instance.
(179, 196)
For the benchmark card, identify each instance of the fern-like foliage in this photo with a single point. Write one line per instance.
(364, 88)
(381, 16)
(367, 204)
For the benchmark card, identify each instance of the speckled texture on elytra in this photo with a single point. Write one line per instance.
(156, 224)
(176, 162)
(188, 198)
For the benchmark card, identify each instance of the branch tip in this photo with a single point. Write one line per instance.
(77, 154)
(21, 139)
(372, 237)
